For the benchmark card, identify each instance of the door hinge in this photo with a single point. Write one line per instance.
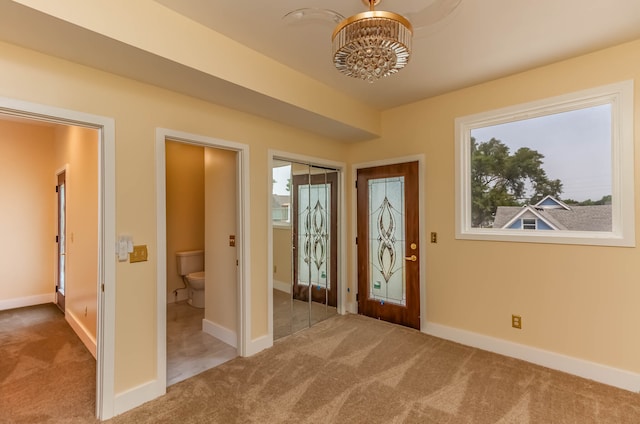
(102, 287)
(357, 297)
(56, 239)
(356, 240)
(56, 189)
(356, 184)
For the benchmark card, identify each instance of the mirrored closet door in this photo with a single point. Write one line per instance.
(305, 225)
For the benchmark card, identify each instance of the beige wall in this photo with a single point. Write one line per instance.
(185, 208)
(586, 308)
(138, 109)
(78, 148)
(27, 211)
(220, 258)
(30, 156)
(579, 301)
(143, 24)
(282, 258)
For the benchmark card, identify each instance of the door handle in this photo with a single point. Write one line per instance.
(411, 258)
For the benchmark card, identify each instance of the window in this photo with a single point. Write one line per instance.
(558, 170)
(281, 192)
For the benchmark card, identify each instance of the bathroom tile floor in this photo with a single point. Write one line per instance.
(191, 351)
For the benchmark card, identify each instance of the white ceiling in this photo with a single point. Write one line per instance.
(480, 41)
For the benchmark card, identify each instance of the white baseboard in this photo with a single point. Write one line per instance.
(182, 295)
(219, 332)
(283, 287)
(352, 308)
(258, 345)
(605, 374)
(136, 396)
(83, 333)
(231, 338)
(21, 302)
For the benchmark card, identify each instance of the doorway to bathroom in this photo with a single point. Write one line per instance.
(306, 240)
(200, 213)
(201, 223)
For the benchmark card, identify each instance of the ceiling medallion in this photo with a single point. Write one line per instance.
(371, 45)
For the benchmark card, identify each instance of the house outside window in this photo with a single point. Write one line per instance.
(562, 167)
(281, 210)
(281, 195)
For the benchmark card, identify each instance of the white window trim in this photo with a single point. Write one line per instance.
(283, 224)
(620, 96)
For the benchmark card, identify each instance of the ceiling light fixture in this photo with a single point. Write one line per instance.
(373, 44)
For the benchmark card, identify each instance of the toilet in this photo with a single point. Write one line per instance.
(190, 266)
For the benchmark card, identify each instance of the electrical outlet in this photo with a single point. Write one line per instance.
(434, 237)
(516, 321)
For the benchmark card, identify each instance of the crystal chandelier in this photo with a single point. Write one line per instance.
(373, 44)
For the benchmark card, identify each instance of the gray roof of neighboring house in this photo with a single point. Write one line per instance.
(578, 218)
(279, 199)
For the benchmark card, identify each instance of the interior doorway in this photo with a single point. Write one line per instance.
(224, 243)
(92, 317)
(201, 273)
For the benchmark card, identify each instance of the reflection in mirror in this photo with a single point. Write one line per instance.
(281, 248)
(304, 216)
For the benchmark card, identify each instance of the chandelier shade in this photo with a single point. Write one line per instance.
(372, 45)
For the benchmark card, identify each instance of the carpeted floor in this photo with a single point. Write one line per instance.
(346, 369)
(291, 316)
(46, 373)
(352, 369)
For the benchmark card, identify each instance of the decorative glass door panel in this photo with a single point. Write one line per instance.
(388, 243)
(314, 241)
(387, 240)
(314, 223)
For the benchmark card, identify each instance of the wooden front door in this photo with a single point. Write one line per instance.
(315, 246)
(388, 243)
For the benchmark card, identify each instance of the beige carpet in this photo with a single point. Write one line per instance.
(46, 373)
(352, 369)
(291, 316)
(347, 369)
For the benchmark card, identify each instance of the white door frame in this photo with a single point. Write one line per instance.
(244, 343)
(342, 307)
(421, 225)
(105, 331)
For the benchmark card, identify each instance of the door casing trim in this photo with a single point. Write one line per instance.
(105, 331)
(245, 345)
